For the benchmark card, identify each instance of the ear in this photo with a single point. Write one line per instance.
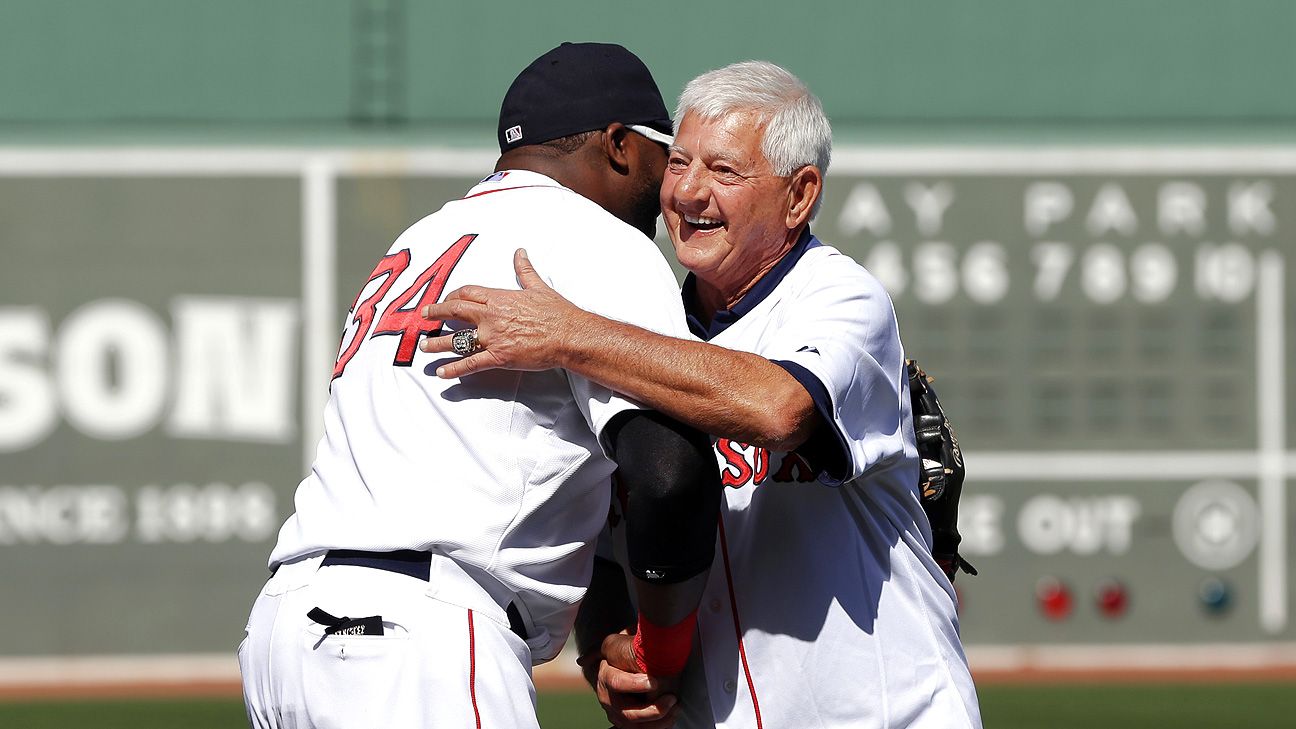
(617, 147)
(806, 187)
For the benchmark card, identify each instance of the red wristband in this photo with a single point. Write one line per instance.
(664, 651)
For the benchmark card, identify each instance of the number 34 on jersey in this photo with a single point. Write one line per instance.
(401, 317)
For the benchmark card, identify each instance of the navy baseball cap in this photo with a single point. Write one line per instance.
(579, 87)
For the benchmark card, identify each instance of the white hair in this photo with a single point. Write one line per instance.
(797, 132)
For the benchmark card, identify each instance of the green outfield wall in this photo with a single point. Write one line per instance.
(996, 66)
(1083, 214)
(1098, 320)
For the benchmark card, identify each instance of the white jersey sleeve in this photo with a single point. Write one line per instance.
(845, 349)
(626, 279)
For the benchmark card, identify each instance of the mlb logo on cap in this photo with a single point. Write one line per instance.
(580, 87)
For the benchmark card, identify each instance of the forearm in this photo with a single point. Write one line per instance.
(606, 610)
(726, 393)
(671, 508)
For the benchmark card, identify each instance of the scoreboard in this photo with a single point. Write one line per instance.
(1110, 331)
(1109, 327)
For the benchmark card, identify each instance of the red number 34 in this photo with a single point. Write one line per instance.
(400, 318)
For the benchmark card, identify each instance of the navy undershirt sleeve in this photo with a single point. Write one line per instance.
(826, 450)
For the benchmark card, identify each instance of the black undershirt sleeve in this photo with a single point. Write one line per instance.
(672, 495)
(825, 450)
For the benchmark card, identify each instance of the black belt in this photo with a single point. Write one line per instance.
(407, 562)
(404, 561)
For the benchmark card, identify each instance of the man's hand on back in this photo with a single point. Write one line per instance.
(517, 330)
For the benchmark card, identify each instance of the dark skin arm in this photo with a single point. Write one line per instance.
(671, 492)
(671, 484)
(730, 394)
(603, 625)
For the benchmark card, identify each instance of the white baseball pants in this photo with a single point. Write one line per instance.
(437, 664)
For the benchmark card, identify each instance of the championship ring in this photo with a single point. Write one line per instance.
(464, 342)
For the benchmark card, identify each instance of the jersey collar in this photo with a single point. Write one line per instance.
(763, 287)
(511, 180)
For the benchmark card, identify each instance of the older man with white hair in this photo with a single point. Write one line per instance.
(824, 606)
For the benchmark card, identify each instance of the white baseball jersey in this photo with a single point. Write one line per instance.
(824, 607)
(502, 472)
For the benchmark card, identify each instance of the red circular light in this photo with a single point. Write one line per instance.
(1113, 598)
(1054, 598)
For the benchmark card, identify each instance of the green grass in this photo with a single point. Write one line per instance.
(119, 714)
(1082, 706)
(557, 711)
(1136, 705)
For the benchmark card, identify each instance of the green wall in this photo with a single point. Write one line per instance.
(296, 67)
(161, 310)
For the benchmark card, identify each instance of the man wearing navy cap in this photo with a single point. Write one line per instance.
(445, 534)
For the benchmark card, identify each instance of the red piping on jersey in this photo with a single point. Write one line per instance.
(472, 669)
(733, 606)
(503, 189)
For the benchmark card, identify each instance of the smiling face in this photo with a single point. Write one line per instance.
(726, 210)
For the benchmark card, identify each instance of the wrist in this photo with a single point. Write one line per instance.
(663, 650)
(575, 343)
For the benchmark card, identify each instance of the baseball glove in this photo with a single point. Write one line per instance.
(942, 471)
